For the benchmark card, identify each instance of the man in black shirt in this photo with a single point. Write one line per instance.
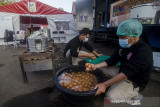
(136, 61)
(73, 47)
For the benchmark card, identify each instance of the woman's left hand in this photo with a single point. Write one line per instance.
(101, 88)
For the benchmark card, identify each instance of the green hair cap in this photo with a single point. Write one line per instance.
(131, 27)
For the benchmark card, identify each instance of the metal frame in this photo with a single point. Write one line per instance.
(28, 55)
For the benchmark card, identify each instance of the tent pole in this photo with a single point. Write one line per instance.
(30, 23)
(30, 18)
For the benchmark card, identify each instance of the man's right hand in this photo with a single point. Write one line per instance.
(90, 67)
(91, 56)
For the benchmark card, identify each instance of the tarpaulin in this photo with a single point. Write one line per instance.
(22, 8)
(21, 15)
(65, 23)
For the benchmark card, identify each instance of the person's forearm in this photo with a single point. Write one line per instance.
(94, 52)
(82, 55)
(103, 64)
(116, 79)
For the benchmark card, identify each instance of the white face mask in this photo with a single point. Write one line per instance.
(85, 40)
(124, 43)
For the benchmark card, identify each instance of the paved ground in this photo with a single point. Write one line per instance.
(11, 81)
(40, 91)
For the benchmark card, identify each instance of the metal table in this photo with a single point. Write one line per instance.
(36, 62)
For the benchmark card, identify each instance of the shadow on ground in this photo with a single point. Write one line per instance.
(35, 99)
(47, 97)
(1, 65)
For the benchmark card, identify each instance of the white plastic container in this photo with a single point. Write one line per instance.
(38, 44)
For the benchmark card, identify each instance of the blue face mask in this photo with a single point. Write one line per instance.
(124, 43)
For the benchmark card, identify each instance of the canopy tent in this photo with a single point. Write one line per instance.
(20, 15)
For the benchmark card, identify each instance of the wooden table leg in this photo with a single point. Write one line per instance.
(23, 72)
(53, 66)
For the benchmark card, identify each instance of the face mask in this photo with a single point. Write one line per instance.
(124, 43)
(85, 40)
